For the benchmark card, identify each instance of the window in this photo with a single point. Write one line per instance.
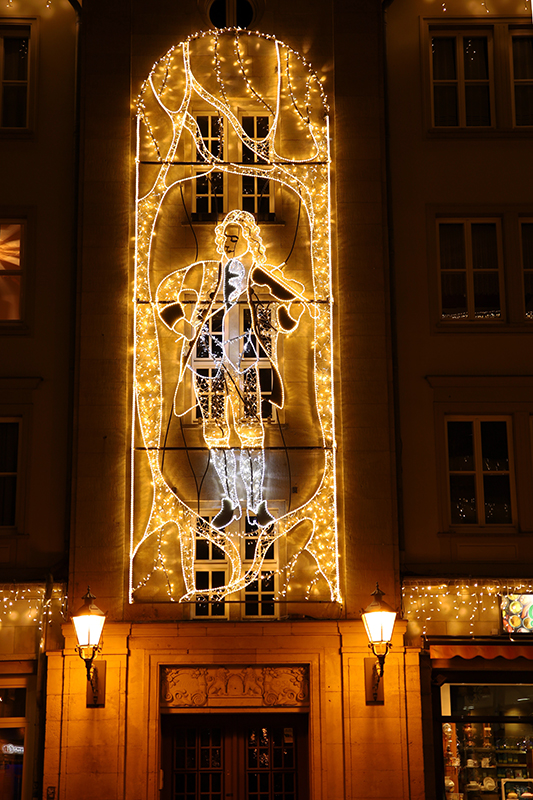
(522, 62)
(234, 333)
(480, 471)
(209, 184)
(11, 271)
(210, 572)
(9, 465)
(14, 74)
(227, 13)
(470, 261)
(461, 66)
(526, 228)
(12, 741)
(480, 78)
(256, 194)
(259, 594)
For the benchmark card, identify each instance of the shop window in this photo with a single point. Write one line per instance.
(522, 61)
(480, 474)
(461, 71)
(11, 271)
(9, 467)
(256, 191)
(12, 741)
(15, 76)
(257, 757)
(487, 740)
(470, 266)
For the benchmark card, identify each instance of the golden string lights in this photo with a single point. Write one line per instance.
(225, 74)
(460, 606)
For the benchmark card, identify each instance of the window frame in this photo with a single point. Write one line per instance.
(517, 33)
(27, 722)
(461, 82)
(479, 472)
(501, 30)
(32, 24)
(512, 300)
(467, 222)
(22, 271)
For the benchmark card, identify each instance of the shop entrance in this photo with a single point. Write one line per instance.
(234, 757)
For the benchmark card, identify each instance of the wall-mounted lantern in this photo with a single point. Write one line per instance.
(378, 618)
(89, 623)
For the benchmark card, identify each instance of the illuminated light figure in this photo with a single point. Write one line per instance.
(216, 73)
(234, 390)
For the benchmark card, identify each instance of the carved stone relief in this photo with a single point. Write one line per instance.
(219, 687)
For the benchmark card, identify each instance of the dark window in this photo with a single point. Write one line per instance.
(9, 464)
(14, 70)
(461, 81)
(523, 79)
(470, 270)
(479, 471)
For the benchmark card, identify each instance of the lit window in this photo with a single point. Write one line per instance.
(14, 74)
(11, 271)
(9, 465)
(259, 595)
(209, 185)
(210, 573)
(461, 71)
(471, 282)
(256, 196)
(480, 471)
(527, 266)
(523, 79)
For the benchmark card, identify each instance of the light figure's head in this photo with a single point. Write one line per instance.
(237, 233)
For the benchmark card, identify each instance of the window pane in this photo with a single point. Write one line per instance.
(497, 499)
(444, 62)
(523, 57)
(523, 105)
(463, 500)
(494, 445)
(476, 58)
(454, 305)
(248, 126)
(528, 294)
(445, 106)
(486, 295)
(15, 58)
(452, 245)
(477, 99)
(9, 437)
(202, 549)
(11, 759)
(244, 13)
(12, 702)
(262, 127)
(460, 446)
(14, 106)
(527, 245)
(484, 245)
(217, 13)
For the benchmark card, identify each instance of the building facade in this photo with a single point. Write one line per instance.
(287, 359)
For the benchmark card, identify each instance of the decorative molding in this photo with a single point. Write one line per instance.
(242, 686)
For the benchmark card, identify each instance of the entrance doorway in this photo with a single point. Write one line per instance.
(234, 757)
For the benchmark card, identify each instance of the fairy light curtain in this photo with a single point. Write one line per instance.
(233, 452)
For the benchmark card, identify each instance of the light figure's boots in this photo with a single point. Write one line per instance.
(225, 465)
(253, 475)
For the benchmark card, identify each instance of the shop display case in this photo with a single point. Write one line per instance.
(487, 758)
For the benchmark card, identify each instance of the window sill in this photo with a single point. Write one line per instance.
(482, 326)
(525, 132)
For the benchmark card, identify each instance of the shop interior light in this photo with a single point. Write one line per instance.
(89, 623)
(378, 618)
